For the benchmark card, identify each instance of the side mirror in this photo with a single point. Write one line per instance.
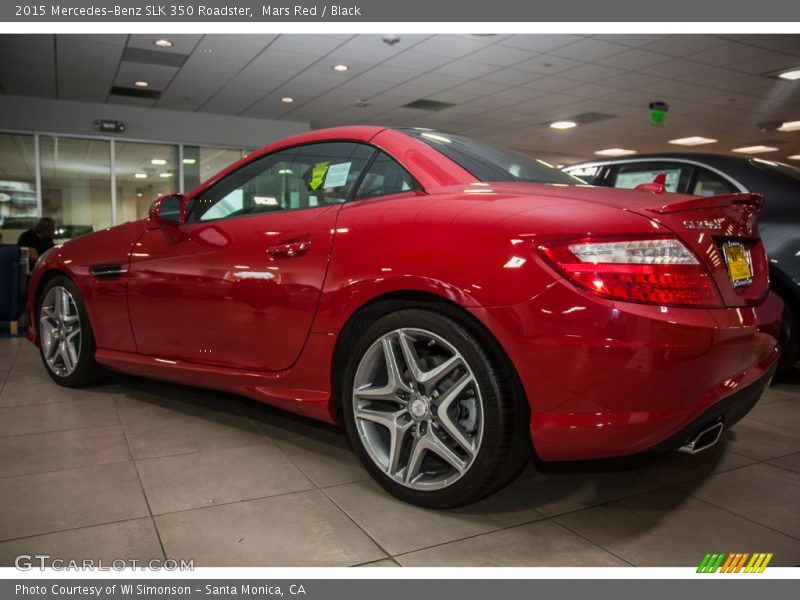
(169, 210)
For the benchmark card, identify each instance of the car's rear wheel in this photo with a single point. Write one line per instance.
(433, 410)
(66, 341)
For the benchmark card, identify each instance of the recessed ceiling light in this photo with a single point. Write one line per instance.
(754, 149)
(139, 194)
(694, 140)
(287, 99)
(165, 175)
(794, 157)
(340, 68)
(141, 84)
(614, 152)
(158, 161)
(789, 126)
(164, 43)
(563, 125)
(189, 161)
(140, 175)
(792, 75)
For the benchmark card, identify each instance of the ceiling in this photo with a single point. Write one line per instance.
(503, 88)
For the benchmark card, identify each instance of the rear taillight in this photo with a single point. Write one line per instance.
(654, 271)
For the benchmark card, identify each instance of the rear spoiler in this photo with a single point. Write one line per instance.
(754, 201)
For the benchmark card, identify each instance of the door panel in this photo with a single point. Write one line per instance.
(238, 284)
(220, 293)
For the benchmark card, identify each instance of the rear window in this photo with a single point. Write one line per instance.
(491, 163)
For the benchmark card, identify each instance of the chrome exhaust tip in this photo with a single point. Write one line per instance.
(704, 439)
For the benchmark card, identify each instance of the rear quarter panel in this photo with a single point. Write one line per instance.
(474, 249)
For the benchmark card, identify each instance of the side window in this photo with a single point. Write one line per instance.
(628, 176)
(385, 177)
(707, 183)
(303, 177)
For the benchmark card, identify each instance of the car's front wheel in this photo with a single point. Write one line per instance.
(66, 341)
(433, 409)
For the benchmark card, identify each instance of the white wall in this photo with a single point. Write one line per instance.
(21, 113)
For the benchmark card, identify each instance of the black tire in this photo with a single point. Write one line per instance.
(86, 370)
(790, 335)
(505, 446)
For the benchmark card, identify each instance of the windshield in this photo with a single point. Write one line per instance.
(491, 163)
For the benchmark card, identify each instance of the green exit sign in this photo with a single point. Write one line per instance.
(657, 116)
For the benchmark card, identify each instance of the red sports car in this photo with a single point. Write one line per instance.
(452, 304)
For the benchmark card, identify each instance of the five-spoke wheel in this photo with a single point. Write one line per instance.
(418, 408)
(60, 331)
(432, 408)
(66, 341)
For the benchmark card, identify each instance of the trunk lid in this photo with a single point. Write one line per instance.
(714, 227)
(723, 231)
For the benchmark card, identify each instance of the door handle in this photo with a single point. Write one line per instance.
(291, 248)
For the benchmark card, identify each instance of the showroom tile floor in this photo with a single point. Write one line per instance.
(140, 469)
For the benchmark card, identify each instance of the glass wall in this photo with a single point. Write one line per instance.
(143, 172)
(18, 209)
(201, 163)
(80, 182)
(76, 184)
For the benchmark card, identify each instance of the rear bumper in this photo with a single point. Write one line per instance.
(608, 379)
(728, 411)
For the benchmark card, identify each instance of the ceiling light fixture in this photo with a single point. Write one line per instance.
(158, 161)
(287, 99)
(163, 43)
(341, 68)
(140, 175)
(165, 175)
(754, 149)
(189, 161)
(141, 84)
(792, 75)
(614, 152)
(563, 125)
(789, 126)
(694, 140)
(794, 157)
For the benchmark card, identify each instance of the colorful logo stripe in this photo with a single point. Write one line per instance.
(735, 562)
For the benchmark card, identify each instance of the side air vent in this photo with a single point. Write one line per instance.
(107, 272)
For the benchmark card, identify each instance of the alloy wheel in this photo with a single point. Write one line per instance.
(60, 330)
(418, 409)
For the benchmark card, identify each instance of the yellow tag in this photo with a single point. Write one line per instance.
(318, 175)
(738, 264)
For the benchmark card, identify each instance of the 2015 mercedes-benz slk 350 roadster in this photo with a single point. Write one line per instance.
(453, 305)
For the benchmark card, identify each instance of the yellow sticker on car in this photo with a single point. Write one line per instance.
(318, 172)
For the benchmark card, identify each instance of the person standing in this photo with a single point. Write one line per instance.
(39, 239)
